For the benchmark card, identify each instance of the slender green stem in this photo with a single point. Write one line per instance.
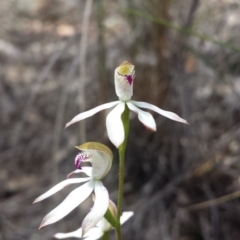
(122, 149)
(106, 236)
(118, 232)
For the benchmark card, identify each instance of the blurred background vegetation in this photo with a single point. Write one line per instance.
(57, 58)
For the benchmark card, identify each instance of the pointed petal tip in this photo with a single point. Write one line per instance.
(41, 226)
(67, 125)
(43, 223)
(150, 129)
(84, 232)
(36, 200)
(185, 122)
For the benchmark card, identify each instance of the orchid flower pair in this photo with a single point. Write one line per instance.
(100, 157)
(124, 76)
(94, 224)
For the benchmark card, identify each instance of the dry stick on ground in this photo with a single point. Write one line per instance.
(37, 85)
(82, 64)
(213, 202)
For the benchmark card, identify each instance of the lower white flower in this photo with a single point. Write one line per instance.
(100, 157)
(124, 76)
(96, 232)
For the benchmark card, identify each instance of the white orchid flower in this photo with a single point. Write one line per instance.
(124, 76)
(98, 231)
(100, 156)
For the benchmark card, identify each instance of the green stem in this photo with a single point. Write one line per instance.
(106, 236)
(122, 149)
(111, 219)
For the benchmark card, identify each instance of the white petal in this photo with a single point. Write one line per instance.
(59, 187)
(115, 126)
(86, 170)
(167, 114)
(125, 216)
(99, 208)
(75, 198)
(91, 112)
(144, 117)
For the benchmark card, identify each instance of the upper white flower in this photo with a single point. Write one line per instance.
(100, 157)
(102, 226)
(124, 76)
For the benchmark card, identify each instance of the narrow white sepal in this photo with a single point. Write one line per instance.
(99, 208)
(93, 234)
(125, 216)
(59, 187)
(76, 234)
(91, 112)
(75, 198)
(144, 117)
(158, 110)
(114, 125)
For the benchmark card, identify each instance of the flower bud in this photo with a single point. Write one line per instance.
(124, 76)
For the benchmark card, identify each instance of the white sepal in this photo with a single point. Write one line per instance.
(75, 198)
(59, 187)
(114, 125)
(92, 234)
(158, 110)
(76, 234)
(144, 117)
(91, 112)
(99, 208)
(125, 216)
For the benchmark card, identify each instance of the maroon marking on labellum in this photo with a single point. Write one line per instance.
(129, 79)
(80, 158)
